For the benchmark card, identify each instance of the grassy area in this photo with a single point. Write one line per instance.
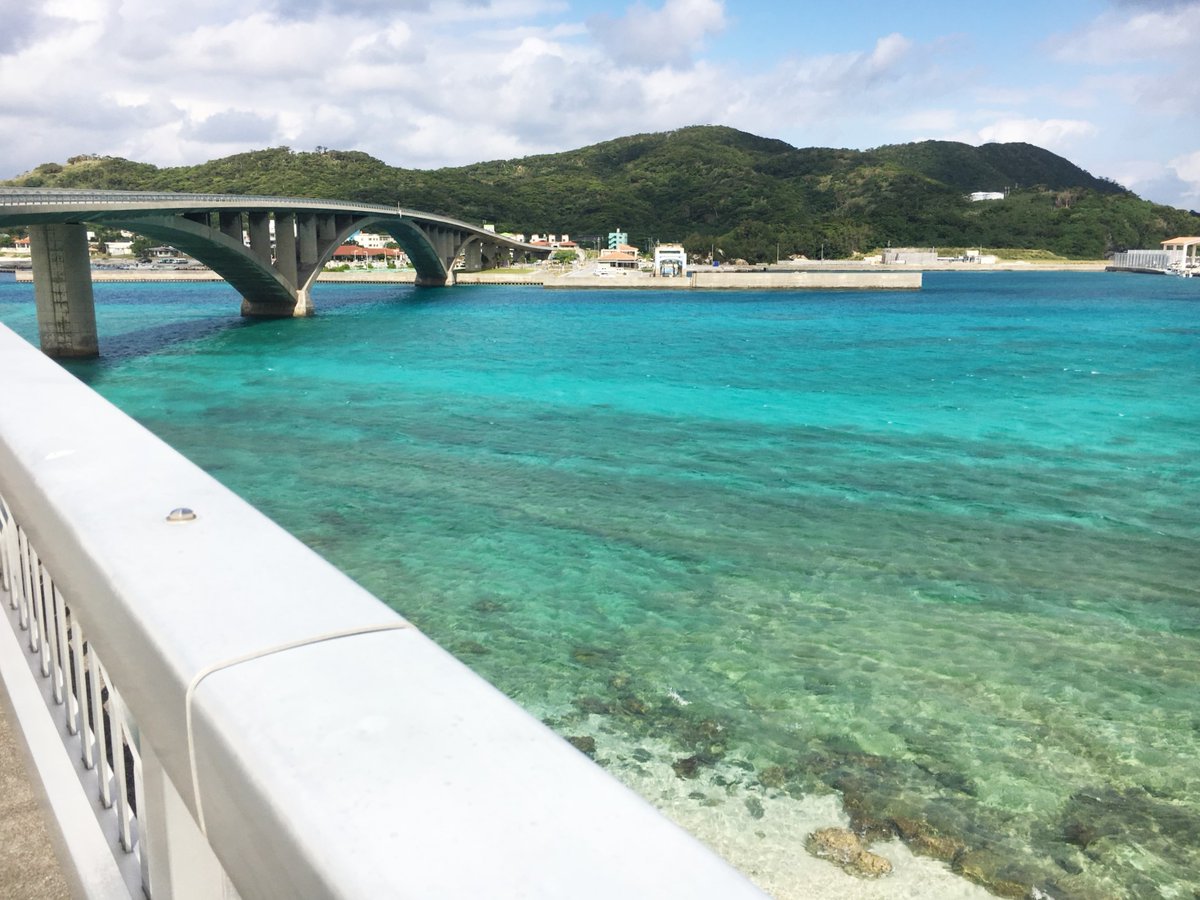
(1008, 254)
(1022, 255)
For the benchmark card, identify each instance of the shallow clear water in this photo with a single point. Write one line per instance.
(935, 552)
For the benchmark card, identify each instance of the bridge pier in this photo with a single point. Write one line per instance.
(62, 289)
(295, 248)
(473, 257)
(275, 308)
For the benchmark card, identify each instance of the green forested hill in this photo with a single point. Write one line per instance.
(748, 196)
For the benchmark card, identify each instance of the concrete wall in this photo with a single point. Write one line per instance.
(751, 281)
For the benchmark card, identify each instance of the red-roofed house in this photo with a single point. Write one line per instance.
(352, 253)
(624, 257)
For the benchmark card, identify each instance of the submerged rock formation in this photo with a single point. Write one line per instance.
(844, 848)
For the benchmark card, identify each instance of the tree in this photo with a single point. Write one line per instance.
(141, 247)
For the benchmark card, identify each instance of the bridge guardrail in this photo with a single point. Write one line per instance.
(280, 732)
(83, 197)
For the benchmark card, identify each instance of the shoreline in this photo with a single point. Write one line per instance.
(830, 274)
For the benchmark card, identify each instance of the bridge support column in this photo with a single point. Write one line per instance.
(306, 234)
(286, 262)
(442, 242)
(285, 246)
(62, 289)
(326, 228)
(473, 257)
(231, 225)
(260, 236)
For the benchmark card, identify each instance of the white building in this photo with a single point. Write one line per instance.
(670, 261)
(1184, 253)
(976, 196)
(373, 241)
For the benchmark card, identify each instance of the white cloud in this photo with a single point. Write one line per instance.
(77, 10)
(1051, 134)
(1187, 169)
(1158, 181)
(1187, 166)
(1145, 31)
(888, 52)
(667, 36)
(416, 84)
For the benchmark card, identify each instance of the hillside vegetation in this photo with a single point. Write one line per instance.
(711, 187)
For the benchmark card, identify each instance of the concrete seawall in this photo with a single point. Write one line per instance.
(702, 280)
(716, 281)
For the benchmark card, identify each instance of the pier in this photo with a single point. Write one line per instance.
(1178, 256)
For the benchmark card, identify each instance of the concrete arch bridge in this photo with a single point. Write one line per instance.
(270, 249)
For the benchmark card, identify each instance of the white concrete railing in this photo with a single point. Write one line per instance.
(287, 734)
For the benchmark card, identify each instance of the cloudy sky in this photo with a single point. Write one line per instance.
(1110, 84)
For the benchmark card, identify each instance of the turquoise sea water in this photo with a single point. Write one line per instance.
(934, 553)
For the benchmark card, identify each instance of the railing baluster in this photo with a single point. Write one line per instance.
(140, 809)
(75, 714)
(94, 757)
(102, 727)
(58, 647)
(26, 591)
(45, 589)
(88, 719)
(6, 535)
(119, 733)
(18, 584)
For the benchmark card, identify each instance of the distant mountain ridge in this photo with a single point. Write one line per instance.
(711, 187)
(993, 167)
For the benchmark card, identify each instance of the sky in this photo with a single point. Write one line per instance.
(1112, 85)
